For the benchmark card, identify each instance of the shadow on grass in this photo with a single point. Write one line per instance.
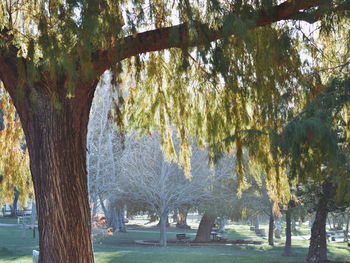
(7, 255)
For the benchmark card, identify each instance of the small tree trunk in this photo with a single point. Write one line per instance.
(288, 245)
(222, 224)
(271, 227)
(174, 217)
(181, 219)
(318, 242)
(33, 215)
(94, 204)
(14, 206)
(163, 225)
(333, 221)
(329, 222)
(104, 209)
(293, 225)
(256, 222)
(204, 229)
(112, 218)
(346, 232)
(121, 219)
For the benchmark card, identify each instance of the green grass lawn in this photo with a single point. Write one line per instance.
(8, 220)
(16, 246)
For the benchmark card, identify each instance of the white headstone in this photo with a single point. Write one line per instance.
(35, 256)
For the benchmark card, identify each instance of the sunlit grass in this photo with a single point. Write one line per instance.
(16, 246)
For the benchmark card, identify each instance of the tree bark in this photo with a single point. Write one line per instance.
(163, 225)
(288, 245)
(55, 131)
(204, 229)
(318, 242)
(271, 227)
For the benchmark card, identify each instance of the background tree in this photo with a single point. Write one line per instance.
(16, 183)
(315, 149)
(105, 148)
(226, 185)
(149, 178)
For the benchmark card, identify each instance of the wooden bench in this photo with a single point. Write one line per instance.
(182, 238)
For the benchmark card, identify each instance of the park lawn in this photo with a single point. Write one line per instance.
(8, 220)
(242, 232)
(16, 247)
(302, 230)
(184, 254)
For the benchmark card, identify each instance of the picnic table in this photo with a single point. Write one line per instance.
(215, 236)
(182, 238)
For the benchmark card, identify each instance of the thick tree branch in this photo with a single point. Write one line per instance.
(178, 36)
(12, 68)
(8, 61)
(9, 73)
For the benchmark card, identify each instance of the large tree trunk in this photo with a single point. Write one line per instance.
(163, 225)
(271, 227)
(288, 245)
(204, 229)
(318, 242)
(55, 127)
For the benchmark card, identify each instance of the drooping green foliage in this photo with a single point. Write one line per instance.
(316, 141)
(227, 102)
(233, 93)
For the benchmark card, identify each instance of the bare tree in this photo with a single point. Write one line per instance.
(104, 151)
(149, 178)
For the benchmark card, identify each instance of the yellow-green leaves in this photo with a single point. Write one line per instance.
(14, 160)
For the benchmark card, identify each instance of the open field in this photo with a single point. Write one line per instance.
(16, 246)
